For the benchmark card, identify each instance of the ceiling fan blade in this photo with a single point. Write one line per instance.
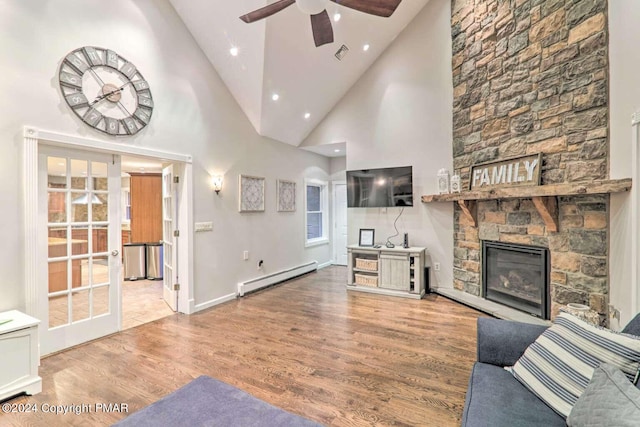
(384, 8)
(321, 27)
(266, 11)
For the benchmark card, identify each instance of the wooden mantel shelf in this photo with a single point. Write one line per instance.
(543, 196)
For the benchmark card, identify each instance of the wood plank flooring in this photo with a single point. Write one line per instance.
(307, 346)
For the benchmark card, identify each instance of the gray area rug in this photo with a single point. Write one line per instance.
(209, 402)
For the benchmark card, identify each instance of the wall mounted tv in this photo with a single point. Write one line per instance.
(380, 188)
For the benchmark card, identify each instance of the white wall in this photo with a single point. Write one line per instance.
(399, 114)
(194, 114)
(624, 98)
(338, 168)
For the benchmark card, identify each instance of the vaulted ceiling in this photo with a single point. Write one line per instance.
(278, 56)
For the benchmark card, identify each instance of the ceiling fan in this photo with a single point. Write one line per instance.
(320, 22)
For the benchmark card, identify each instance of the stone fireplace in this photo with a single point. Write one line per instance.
(516, 276)
(529, 77)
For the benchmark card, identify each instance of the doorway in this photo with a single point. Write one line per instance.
(143, 248)
(340, 222)
(85, 224)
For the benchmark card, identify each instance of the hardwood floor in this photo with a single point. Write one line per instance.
(307, 346)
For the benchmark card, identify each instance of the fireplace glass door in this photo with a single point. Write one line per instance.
(516, 276)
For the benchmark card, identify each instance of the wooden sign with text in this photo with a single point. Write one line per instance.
(519, 171)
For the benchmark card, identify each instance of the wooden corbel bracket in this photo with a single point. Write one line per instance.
(547, 207)
(470, 210)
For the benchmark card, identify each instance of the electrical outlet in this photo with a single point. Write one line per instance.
(436, 266)
(245, 255)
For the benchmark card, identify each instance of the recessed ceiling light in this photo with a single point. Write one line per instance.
(336, 17)
(275, 96)
(366, 47)
(307, 115)
(233, 51)
(337, 150)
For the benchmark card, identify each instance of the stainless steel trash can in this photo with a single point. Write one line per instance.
(134, 261)
(154, 261)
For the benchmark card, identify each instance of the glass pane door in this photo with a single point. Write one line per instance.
(82, 193)
(169, 241)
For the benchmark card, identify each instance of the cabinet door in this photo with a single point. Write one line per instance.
(394, 271)
(146, 208)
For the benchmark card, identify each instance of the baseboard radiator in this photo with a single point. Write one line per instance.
(273, 278)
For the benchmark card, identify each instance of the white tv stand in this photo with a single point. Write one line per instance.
(394, 271)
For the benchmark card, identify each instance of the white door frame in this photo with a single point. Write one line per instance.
(33, 274)
(333, 213)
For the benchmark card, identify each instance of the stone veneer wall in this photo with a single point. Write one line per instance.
(531, 76)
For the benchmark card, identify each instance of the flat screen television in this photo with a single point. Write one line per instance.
(380, 188)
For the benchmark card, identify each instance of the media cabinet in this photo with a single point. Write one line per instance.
(394, 271)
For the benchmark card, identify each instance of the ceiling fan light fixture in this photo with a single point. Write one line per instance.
(312, 7)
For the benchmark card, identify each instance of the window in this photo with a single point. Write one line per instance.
(316, 209)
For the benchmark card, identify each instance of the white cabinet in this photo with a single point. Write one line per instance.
(389, 271)
(19, 357)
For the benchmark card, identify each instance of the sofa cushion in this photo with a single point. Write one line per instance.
(633, 327)
(495, 398)
(609, 400)
(558, 366)
(503, 342)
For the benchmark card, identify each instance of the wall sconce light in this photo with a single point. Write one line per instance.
(216, 183)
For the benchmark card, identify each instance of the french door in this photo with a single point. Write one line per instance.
(169, 240)
(79, 207)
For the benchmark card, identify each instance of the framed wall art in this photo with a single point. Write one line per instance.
(286, 196)
(366, 237)
(251, 194)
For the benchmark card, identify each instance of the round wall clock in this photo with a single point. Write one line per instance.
(105, 90)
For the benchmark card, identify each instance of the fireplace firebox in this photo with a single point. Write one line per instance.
(516, 276)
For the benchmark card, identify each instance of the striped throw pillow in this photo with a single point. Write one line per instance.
(558, 366)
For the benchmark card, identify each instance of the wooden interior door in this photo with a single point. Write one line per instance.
(146, 207)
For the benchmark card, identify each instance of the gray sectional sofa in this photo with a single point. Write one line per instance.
(494, 397)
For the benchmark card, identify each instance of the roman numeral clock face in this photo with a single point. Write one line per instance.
(106, 91)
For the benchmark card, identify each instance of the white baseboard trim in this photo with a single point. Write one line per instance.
(325, 264)
(192, 306)
(271, 279)
(213, 302)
